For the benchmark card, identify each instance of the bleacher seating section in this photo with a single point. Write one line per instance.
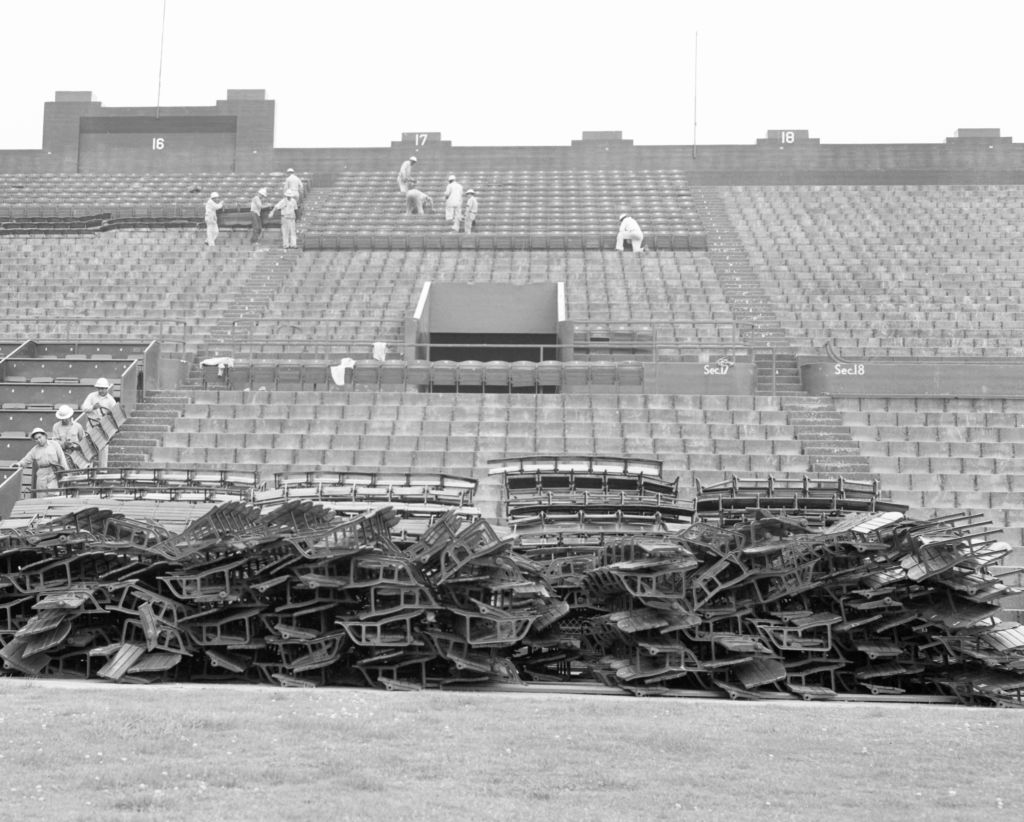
(889, 271)
(526, 209)
(62, 202)
(895, 271)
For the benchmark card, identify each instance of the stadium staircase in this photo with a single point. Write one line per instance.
(750, 299)
(827, 442)
(145, 429)
(267, 277)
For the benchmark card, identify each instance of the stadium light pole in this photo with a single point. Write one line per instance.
(160, 64)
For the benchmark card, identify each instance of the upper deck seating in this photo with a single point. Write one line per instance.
(123, 285)
(38, 199)
(889, 271)
(526, 209)
(668, 304)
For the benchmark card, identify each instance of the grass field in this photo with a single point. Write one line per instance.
(98, 751)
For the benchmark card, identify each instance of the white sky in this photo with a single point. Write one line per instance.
(533, 72)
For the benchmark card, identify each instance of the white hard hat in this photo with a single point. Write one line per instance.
(102, 382)
(413, 159)
(451, 177)
(472, 191)
(622, 217)
(262, 192)
(215, 196)
(36, 431)
(291, 171)
(65, 412)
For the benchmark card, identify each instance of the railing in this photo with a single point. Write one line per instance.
(662, 332)
(62, 327)
(638, 340)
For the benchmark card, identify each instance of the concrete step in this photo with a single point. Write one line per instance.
(144, 428)
(833, 452)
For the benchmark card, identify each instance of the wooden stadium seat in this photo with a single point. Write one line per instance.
(575, 374)
(470, 375)
(549, 375)
(392, 374)
(444, 375)
(631, 377)
(497, 375)
(366, 373)
(603, 376)
(523, 376)
(417, 374)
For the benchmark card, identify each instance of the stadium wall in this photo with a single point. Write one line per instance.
(237, 134)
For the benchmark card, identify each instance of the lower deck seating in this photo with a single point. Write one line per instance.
(696, 439)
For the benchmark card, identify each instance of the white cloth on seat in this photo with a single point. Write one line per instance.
(380, 351)
(338, 371)
(221, 363)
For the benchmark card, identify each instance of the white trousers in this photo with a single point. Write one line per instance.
(636, 237)
(289, 239)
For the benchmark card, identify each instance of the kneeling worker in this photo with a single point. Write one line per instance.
(629, 229)
(416, 202)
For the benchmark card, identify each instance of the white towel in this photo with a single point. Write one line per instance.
(338, 371)
(221, 363)
(380, 351)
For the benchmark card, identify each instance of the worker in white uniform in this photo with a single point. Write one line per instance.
(67, 432)
(629, 229)
(96, 406)
(288, 205)
(47, 461)
(469, 211)
(293, 183)
(453, 202)
(213, 205)
(416, 202)
(405, 178)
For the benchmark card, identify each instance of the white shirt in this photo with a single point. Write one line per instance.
(96, 405)
(453, 194)
(630, 226)
(212, 207)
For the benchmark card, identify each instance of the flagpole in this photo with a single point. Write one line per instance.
(694, 151)
(160, 67)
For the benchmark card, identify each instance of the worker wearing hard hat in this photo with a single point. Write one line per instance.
(213, 205)
(96, 406)
(294, 183)
(67, 432)
(417, 202)
(629, 229)
(47, 461)
(288, 206)
(453, 202)
(405, 178)
(256, 206)
(469, 211)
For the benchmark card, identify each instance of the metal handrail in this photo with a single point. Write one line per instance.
(62, 327)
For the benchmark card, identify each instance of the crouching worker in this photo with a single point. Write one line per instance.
(416, 202)
(629, 229)
(47, 461)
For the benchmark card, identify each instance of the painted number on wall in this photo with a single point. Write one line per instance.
(421, 139)
(787, 137)
(158, 144)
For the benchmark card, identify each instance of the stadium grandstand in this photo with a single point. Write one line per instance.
(806, 320)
